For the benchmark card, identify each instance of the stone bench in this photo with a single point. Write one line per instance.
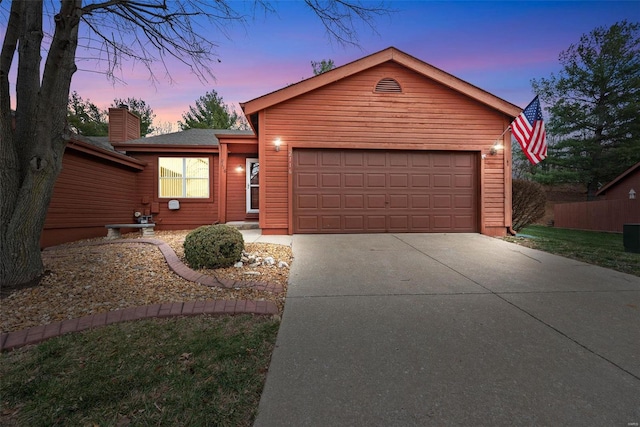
(113, 230)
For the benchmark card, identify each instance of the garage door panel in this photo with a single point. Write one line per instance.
(442, 201)
(441, 160)
(307, 158)
(354, 158)
(420, 223)
(330, 180)
(354, 222)
(442, 222)
(463, 181)
(420, 181)
(376, 201)
(420, 201)
(330, 201)
(441, 181)
(381, 191)
(398, 201)
(400, 159)
(354, 201)
(398, 222)
(308, 180)
(400, 180)
(330, 223)
(307, 224)
(376, 223)
(354, 180)
(330, 158)
(462, 222)
(463, 162)
(376, 158)
(376, 180)
(307, 201)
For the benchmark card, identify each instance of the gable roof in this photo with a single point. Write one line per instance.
(389, 54)
(618, 179)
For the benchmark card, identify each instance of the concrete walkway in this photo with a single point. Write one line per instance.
(462, 329)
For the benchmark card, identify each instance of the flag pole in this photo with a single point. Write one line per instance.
(505, 131)
(497, 144)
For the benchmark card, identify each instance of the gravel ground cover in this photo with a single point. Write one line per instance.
(84, 280)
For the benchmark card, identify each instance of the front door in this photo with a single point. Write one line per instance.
(252, 185)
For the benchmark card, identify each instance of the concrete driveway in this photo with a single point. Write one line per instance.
(451, 329)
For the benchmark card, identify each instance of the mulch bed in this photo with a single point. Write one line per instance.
(83, 280)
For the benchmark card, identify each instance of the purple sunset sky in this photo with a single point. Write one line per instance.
(497, 46)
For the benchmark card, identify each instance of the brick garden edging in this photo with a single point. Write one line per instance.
(37, 334)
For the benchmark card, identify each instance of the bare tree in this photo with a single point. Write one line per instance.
(149, 32)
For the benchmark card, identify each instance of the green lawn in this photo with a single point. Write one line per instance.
(172, 372)
(603, 249)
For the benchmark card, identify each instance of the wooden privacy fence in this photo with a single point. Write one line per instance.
(600, 215)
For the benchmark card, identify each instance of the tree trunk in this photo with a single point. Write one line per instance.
(21, 261)
(32, 147)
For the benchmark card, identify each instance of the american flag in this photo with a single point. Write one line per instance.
(528, 129)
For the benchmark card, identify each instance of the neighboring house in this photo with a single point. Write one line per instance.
(386, 143)
(625, 186)
(618, 203)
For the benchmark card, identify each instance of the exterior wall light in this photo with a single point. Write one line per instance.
(495, 147)
(277, 143)
(239, 168)
(632, 194)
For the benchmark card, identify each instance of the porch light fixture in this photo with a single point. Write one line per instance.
(277, 143)
(239, 168)
(495, 147)
(632, 194)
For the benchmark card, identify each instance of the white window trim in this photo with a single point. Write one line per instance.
(184, 179)
(249, 185)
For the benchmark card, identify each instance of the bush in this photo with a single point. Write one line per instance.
(213, 246)
(529, 202)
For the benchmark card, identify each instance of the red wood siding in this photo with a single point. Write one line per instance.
(192, 212)
(599, 215)
(89, 193)
(348, 114)
(621, 189)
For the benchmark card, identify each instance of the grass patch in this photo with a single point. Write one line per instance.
(603, 249)
(173, 372)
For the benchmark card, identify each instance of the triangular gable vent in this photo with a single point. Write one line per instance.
(388, 85)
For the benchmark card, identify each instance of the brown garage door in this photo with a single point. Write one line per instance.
(370, 191)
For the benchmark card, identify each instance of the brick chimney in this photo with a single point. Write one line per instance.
(123, 125)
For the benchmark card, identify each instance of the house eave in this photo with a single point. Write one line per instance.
(619, 178)
(389, 54)
(166, 148)
(113, 156)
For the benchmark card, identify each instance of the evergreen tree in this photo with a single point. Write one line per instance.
(85, 118)
(322, 66)
(594, 108)
(210, 112)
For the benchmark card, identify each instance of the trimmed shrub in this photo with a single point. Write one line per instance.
(213, 246)
(529, 200)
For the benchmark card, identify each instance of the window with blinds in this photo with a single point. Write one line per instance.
(183, 177)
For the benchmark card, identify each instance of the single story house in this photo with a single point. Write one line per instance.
(624, 186)
(387, 143)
